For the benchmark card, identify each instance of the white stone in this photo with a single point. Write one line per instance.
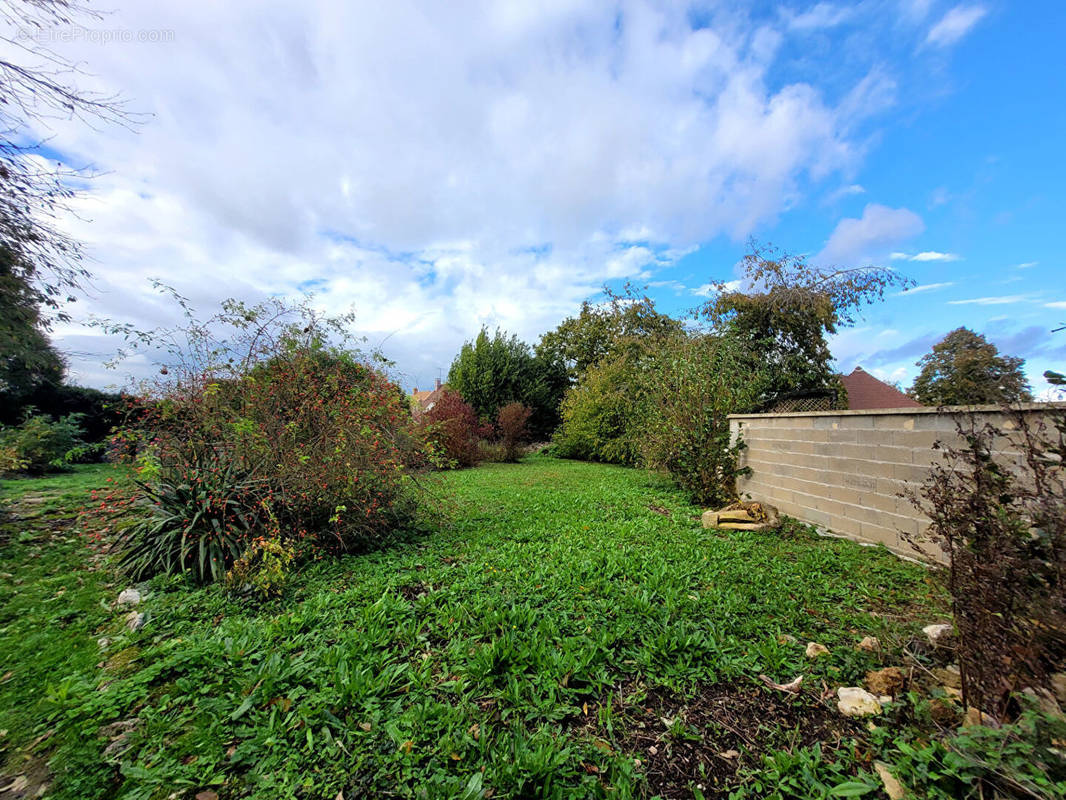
(814, 650)
(939, 635)
(854, 701)
(129, 597)
(135, 621)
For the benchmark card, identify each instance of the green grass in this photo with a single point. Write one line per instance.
(483, 659)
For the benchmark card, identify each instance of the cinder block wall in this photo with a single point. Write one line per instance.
(843, 470)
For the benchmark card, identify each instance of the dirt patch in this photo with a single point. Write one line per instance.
(414, 591)
(32, 780)
(703, 741)
(659, 510)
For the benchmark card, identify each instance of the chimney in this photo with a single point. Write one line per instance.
(438, 385)
(415, 390)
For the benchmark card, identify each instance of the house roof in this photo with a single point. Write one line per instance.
(866, 392)
(427, 398)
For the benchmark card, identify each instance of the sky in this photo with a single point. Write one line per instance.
(438, 167)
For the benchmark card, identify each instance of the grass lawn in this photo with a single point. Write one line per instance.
(570, 631)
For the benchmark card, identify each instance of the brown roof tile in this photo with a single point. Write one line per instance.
(866, 392)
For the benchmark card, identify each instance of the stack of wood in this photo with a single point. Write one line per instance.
(743, 516)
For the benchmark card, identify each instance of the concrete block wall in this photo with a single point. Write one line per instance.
(844, 470)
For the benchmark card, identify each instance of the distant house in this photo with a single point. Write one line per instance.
(421, 402)
(867, 392)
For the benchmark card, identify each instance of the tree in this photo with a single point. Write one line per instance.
(491, 372)
(40, 265)
(783, 309)
(599, 330)
(964, 368)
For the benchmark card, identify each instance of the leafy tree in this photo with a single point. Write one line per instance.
(40, 264)
(491, 372)
(603, 414)
(693, 384)
(598, 330)
(783, 310)
(964, 368)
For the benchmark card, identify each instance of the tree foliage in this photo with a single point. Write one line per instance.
(40, 264)
(782, 311)
(602, 415)
(964, 368)
(694, 384)
(493, 371)
(600, 329)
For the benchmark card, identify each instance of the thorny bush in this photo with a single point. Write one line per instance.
(270, 432)
(997, 502)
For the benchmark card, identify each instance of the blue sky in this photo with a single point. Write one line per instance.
(495, 163)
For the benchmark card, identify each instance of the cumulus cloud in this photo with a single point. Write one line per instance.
(879, 228)
(442, 167)
(955, 24)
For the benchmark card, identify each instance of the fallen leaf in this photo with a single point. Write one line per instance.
(585, 708)
(729, 754)
(602, 746)
(474, 730)
(7, 676)
(406, 746)
(893, 788)
(456, 757)
(207, 794)
(366, 726)
(340, 795)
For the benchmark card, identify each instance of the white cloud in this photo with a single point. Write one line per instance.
(990, 301)
(710, 289)
(443, 166)
(879, 228)
(955, 24)
(927, 255)
(819, 16)
(847, 190)
(1026, 265)
(933, 255)
(927, 287)
(1056, 304)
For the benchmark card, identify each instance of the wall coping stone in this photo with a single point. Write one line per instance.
(867, 412)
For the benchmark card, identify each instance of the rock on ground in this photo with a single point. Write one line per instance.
(870, 644)
(135, 621)
(888, 681)
(814, 650)
(940, 635)
(854, 701)
(129, 597)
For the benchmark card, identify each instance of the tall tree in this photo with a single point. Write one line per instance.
(41, 263)
(601, 329)
(964, 368)
(493, 371)
(782, 311)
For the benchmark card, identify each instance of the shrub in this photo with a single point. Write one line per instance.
(272, 434)
(603, 414)
(201, 514)
(512, 428)
(694, 384)
(1000, 519)
(453, 430)
(491, 452)
(41, 444)
(262, 569)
